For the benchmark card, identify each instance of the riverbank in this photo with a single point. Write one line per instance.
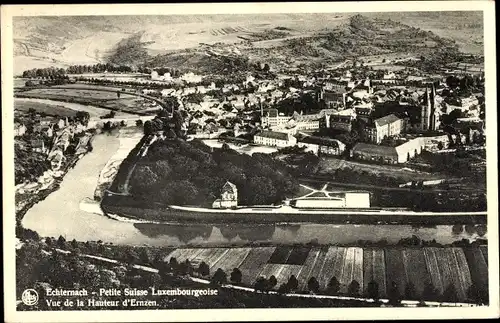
(113, 208)
(49, 183)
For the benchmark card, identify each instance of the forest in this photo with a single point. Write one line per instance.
(189, 173)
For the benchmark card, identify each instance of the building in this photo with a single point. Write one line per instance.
(320, 145)
(333, 99)
(430, 115)
(229, 197)
(270, 118)
(306, 121)
(388, 154)
(339, 122)
(384, 127)
(352, 199)
(275, 139)
(19, 130)
(38, 145)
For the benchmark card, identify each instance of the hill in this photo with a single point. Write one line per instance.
(61, 41)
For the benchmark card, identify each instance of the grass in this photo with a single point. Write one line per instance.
(48, 109)
(99, 97)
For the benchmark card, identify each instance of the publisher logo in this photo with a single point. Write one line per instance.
(30, 297)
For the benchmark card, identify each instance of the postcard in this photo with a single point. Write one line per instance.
(249, 161)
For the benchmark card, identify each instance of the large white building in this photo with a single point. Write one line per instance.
(275, 139)
(352, 199)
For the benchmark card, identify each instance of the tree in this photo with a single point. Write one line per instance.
(353, 288)
(313, 285)
(173, 263)
(430, 292)
(393, 293)
(219, 277)
(410, 292)
(333, 286)
(476, 295)
(203, 269)
(272, 281)
(372, 289)
(61, 242)
(261, 284)
(450, 293)
(293, 283)
(236, 276)
(145, 256)
(283, 289)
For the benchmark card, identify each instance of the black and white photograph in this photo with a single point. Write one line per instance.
(329, 157)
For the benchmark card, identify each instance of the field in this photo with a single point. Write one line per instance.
(48, 109)
(99, 97)
(450, 270)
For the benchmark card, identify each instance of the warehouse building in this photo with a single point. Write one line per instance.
(351, 199)
(388, 154)
(275, 139)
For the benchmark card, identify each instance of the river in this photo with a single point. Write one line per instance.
(60, 214)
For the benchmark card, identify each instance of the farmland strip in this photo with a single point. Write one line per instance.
(346, 277)
(286, 271)
(478, 267)
(395, 269)
(216, 256)
(232, 259)
(484, 250)
(367, 268)
(308, 267)
(379, 271)
(455, 274)
(318, 266)
(463, 269)
(253, 263)
(416, 269)
(338, 270)
(433, 268)
(358, 268)
(326, 274)
(444, 268)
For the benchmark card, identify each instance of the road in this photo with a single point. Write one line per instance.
(385, 188)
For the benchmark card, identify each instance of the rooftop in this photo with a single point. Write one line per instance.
(320, 141)
(273, 135)
(386, 120)
(375, 149)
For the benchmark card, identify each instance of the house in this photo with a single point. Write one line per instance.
(388, 154)
(333, 99)
(339, 122)
(56, 158)
(384, 127)
(275, 139)
(320, 145)
(191, 78)
(48, 130)
(19, 130)
(61, 124)
(306, 122)
(38, 145)
(271, 118)
(229, 197)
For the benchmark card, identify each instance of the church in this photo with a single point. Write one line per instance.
(229, 197)
(430, 114)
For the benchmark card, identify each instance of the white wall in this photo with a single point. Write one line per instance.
(357, 199)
